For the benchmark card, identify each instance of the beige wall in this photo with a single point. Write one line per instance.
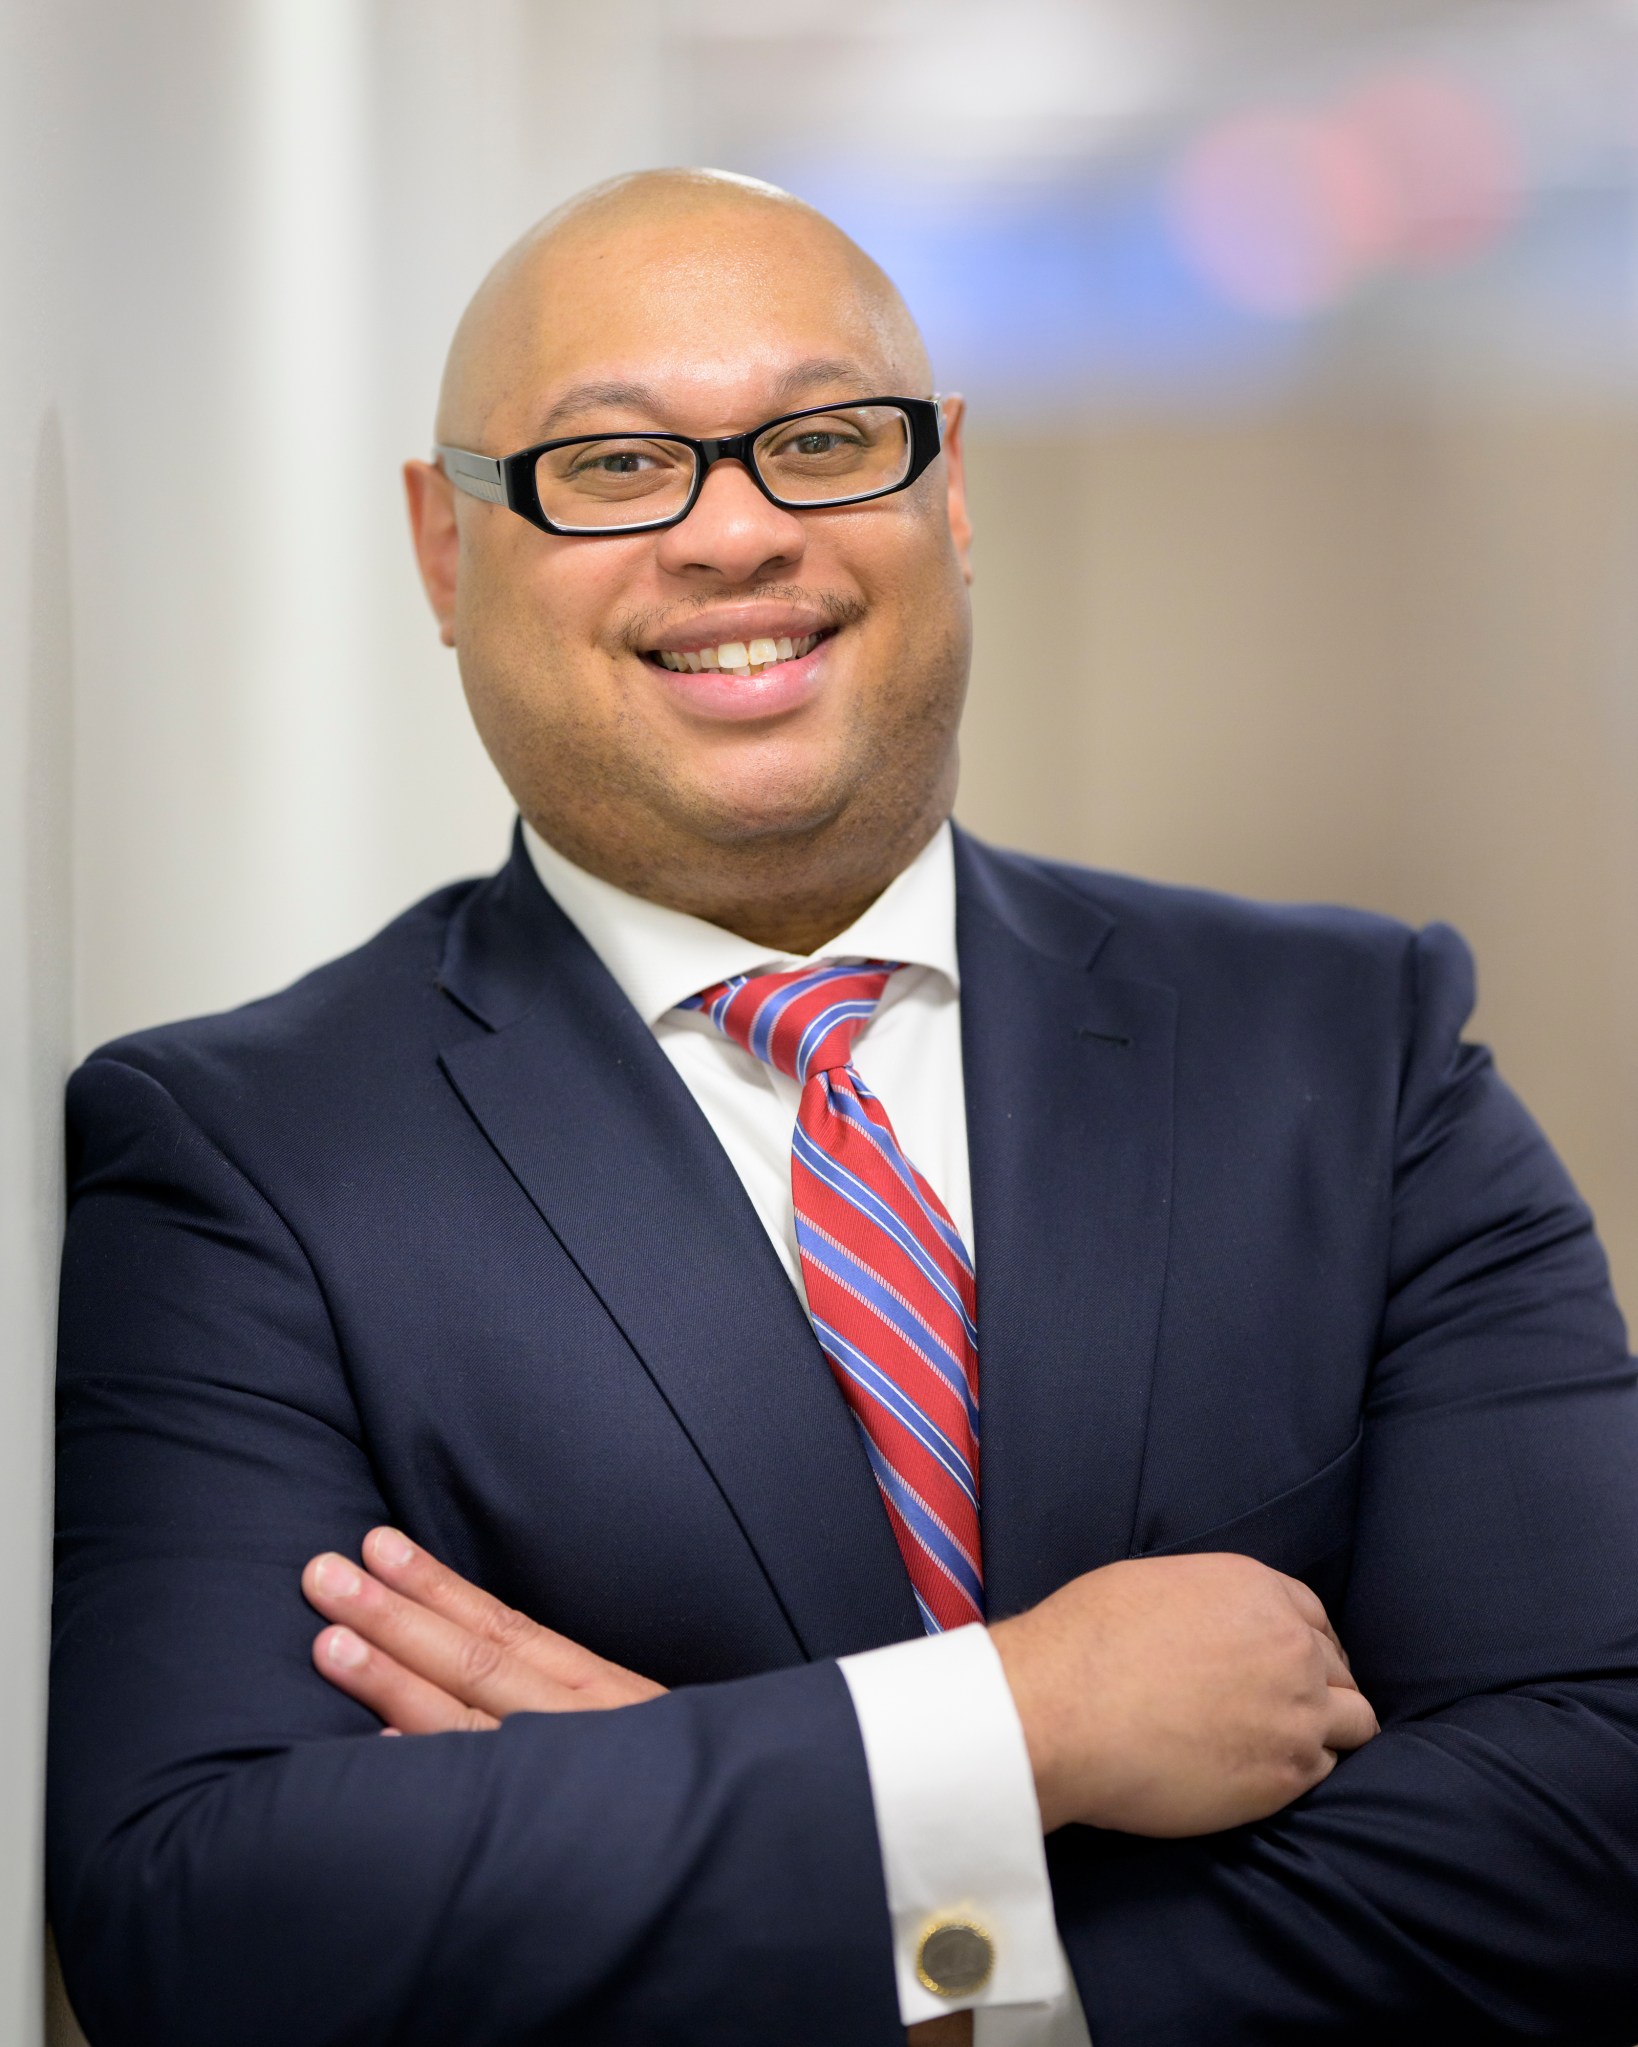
(1377, 658)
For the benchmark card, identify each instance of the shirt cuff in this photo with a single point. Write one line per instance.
(956, 1815)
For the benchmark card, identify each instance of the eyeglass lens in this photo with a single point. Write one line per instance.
(857, 451)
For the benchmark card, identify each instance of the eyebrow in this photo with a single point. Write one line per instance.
(616, 395)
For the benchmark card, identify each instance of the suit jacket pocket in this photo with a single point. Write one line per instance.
(1306, 1531)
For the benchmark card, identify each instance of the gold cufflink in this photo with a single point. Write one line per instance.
(955, 1958)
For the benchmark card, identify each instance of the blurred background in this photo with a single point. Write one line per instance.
(1301, 341)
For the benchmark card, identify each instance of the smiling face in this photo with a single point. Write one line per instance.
(775, 789)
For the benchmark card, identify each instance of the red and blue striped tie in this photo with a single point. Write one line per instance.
(889, 1283)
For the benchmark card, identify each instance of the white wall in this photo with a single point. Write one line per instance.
(234, 235)
(37, 662)
(286, 204)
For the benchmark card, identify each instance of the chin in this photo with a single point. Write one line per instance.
(749, 823)
(773, 802)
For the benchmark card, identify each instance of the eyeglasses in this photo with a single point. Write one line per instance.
(639, 482)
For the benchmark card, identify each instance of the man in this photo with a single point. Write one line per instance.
(591, 1258)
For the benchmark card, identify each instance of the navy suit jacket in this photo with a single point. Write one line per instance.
(1268, 1261)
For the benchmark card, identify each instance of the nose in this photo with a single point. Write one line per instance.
(734, 533)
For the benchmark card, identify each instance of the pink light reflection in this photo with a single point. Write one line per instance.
(1282, 212)
(1449, 159)
(1286, 213)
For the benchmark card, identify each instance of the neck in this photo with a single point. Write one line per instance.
(790, 894)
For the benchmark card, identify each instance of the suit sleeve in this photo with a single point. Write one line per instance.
(233, 1854)
(1471, 1874)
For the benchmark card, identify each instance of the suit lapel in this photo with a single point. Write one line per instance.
(1069, 1117)
(606, 1141)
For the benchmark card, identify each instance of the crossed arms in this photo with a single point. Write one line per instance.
(1169, 1697)
(1166, 1696)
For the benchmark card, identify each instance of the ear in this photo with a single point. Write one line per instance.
(431, 498)
(953, 411)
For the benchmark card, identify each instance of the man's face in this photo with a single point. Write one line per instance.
(704, 324)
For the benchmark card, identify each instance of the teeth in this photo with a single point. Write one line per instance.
(735, 657)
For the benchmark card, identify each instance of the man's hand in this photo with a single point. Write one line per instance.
(427, 1651)
(1179, 1695)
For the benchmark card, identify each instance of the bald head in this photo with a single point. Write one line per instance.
(677, 235)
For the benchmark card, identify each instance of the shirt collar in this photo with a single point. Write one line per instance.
(658, 955)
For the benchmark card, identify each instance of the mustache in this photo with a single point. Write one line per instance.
(636, 629)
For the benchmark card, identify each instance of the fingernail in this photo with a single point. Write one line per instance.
(392, 1730)
(346, 1649)
(337, 1577)
(390, 1547)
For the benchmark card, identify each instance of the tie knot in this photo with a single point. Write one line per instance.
(803, 1020)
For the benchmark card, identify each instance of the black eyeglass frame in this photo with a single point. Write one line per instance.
(510, 479)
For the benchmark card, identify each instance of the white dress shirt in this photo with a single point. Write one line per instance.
(956, 1814)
